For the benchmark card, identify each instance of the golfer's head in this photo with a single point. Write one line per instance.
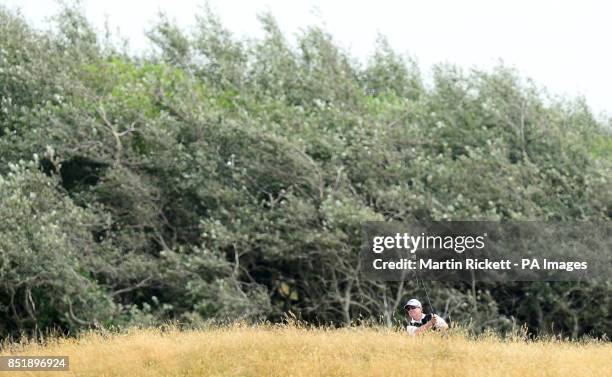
(413, 308)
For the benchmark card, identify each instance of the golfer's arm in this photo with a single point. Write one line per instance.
(441, 324)
(423, 328)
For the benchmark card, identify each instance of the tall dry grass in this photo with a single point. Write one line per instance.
(241, 350)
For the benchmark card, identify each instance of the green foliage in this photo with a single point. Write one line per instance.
(388, 72)
(219, 179)
(48, 256)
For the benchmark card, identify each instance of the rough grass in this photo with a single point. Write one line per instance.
(240, 350)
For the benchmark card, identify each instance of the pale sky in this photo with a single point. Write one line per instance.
(559, 44)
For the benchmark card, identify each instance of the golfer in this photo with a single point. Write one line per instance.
(420, 322)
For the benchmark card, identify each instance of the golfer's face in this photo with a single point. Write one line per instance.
(413, 311)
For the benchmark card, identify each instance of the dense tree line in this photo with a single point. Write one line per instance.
(218, 178)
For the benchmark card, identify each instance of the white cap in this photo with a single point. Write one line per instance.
(413, 302)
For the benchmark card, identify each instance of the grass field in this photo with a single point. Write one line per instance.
(299, 351)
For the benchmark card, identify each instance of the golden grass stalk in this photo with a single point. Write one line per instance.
(294, 350)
